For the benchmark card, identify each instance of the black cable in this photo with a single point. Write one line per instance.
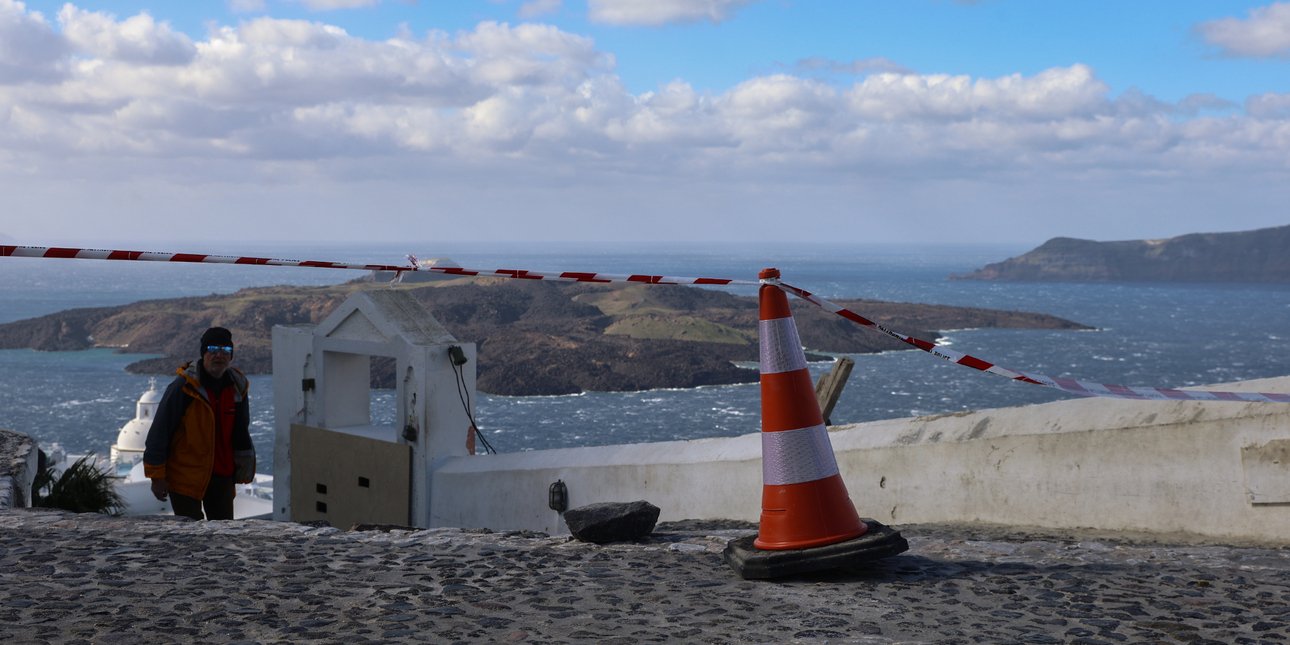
(463, 393)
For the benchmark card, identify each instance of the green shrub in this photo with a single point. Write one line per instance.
(82, 488)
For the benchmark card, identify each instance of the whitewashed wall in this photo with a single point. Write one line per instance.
(1171, 467)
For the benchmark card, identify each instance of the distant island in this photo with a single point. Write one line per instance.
(1248, 256)
(533, 338)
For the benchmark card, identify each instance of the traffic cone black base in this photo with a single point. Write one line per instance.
(751, 563)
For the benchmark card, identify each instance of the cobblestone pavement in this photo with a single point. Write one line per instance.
(90, 578)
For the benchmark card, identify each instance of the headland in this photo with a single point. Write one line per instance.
(1245, 256)
(534, 338)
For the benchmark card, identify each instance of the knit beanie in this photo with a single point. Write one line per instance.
(215, 336)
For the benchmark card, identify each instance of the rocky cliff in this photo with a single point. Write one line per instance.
(533, 337)
(1248, 256)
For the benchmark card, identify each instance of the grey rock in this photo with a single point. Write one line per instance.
(607, 522)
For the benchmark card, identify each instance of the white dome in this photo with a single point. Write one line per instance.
(153, 395)
(133, 435)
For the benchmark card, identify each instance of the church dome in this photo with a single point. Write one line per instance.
(134, 434)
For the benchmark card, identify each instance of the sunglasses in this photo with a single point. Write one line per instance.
(219, 349)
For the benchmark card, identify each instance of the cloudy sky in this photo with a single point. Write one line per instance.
(139, 122)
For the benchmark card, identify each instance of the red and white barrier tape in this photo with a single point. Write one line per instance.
(150, 256)
(1082, 388)
(519, 274)
(575, 276)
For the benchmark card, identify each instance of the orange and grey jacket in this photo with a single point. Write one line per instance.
(181, 444)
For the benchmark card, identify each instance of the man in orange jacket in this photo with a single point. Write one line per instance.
(199, 444)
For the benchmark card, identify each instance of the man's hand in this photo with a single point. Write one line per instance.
(160, 489)
(244, 467)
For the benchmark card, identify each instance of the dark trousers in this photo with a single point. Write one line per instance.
(218, 501)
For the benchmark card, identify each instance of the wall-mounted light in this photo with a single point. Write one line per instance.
(456, 355)
(558, 496)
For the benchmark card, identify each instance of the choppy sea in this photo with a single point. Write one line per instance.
(1147, 334)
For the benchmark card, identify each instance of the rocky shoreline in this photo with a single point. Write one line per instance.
(89, 578)
(532, 337)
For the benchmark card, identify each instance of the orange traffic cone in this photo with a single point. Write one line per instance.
(808, 522)
(804, 501)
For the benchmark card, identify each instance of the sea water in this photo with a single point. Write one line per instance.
(1171, 335)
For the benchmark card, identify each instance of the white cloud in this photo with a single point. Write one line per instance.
(674, 114)
(1269, 106)
(1197, 103)
(529, 54)
(246, 6)
(29, 48)
(660, 12)
(1265, 33)
(1054, 93)
(138, 39)
(273, 89)
(780, 115)
(537, 8)
(531, 116)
